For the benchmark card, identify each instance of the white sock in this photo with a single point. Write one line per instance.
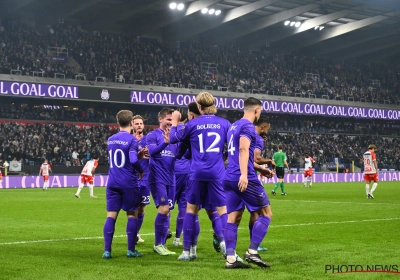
(252, 251)
(193, 250)
(91, 190)
(310, 181)
(79, 189)
(44, 185)
(374, 187)
(367, 188)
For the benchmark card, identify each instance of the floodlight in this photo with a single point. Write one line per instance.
(211, 11)
(292, 23)
(321, 27)
(297, 24)
(287, 22)
(204, 11)
(217, 12)
(172, 6)
(315, 28)
(180, 6)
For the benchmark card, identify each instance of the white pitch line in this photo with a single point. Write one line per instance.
(339, 202)
(149, 234)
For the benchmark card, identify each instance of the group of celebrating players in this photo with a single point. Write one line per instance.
(184, 163)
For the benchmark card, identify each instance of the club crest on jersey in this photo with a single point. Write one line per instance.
(105, 95)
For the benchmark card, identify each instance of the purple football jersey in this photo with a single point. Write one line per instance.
(123, 162)
(144, 162)
(241, 128)
(162, 159)
(259, 143)
(182, 165)
(206, 137)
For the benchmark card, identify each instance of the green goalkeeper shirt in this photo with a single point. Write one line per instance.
(279, 158)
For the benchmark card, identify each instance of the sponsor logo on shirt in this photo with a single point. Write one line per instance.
(167, 153)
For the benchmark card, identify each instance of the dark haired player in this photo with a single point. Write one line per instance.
(87, 176)
(162, 178)
(243, 188)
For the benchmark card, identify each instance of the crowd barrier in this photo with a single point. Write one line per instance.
(64, 181)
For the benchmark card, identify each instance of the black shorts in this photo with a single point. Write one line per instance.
(280, 172)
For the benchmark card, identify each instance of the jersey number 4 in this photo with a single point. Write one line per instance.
(212, 148)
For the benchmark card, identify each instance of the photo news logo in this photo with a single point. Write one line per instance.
(359, 268)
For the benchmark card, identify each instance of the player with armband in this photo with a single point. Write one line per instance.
(45, 170)
(308, 165)
(87, 176)
(243, 188)
(206, 137)
(122, 190)
(370, 170)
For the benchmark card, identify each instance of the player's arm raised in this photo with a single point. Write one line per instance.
(152, 146)
(133, 156)
(244, 145)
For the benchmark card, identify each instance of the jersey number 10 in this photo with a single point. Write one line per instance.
(113, 158)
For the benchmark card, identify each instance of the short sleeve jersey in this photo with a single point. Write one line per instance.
(241, 128)
(45, 169)
(87, 169)
(279, 158)
(308, 161)
(369, 166)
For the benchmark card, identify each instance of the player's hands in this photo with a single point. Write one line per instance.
(138, 135)
(243, 182)
(143, 153)
(166, 134)
(273, 164)
(140, 176)
(267, 173)
(176, 117)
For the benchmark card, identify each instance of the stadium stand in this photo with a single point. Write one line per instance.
(121, 58)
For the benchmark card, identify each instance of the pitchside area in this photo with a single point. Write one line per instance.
(53, 235)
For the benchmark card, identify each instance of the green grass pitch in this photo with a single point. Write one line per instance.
(52, 235)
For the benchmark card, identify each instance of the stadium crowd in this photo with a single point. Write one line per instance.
(70, 145)
(280, 122)
(120, 57)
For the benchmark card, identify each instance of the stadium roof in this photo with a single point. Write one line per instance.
(351, 28)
